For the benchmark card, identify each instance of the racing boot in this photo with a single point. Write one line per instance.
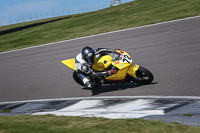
(89, 84)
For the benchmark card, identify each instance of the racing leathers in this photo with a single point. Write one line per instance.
(84, 70)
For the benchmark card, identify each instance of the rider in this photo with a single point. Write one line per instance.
(84, 62)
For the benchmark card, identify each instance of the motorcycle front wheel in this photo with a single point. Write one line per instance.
(144, 76)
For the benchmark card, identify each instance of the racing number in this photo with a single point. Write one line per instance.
(126, 58)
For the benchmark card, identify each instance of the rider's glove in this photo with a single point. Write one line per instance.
(117, 49)
(111, 72)
(86, 69)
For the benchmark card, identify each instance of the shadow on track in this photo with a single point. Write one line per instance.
(115, 87)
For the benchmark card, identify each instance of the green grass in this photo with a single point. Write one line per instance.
(27, 23)
(5, 111)
(54, 124)
(133, 14)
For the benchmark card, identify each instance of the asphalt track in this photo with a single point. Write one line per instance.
(170, 50)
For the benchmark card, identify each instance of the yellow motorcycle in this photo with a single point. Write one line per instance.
(119, 60)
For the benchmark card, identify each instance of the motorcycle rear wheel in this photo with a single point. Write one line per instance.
(80, 82)
(77, 78)
(144, 76)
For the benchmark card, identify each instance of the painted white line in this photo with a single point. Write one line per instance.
(109, 97)
(101, 34)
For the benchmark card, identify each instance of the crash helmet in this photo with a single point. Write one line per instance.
(88, 54)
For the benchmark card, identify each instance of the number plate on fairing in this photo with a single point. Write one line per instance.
(126, 59)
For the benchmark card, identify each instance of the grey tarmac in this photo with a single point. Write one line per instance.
(171, 51)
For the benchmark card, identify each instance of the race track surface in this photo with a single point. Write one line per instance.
(171, 51)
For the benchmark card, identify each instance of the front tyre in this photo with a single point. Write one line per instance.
(144, 76)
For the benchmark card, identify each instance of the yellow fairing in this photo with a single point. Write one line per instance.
(120, 75)
(102, 63)
(70, 63)
(132, 69)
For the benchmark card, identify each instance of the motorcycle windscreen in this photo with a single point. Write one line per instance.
(70, 63)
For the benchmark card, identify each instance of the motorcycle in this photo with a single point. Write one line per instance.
(120, 61)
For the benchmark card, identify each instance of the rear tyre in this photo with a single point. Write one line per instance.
(77, 78)
(80, 82)
(144, 76)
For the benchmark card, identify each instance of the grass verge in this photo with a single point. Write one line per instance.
(133, 14)
(55, 124)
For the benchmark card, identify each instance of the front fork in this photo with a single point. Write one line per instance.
(132, 70)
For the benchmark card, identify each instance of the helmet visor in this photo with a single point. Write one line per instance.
(90, 60)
